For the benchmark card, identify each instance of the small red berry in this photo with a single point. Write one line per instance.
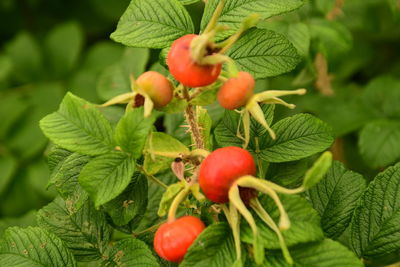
(157, 86)
(185, 69)
(236, 91)
(220, 170)
(173, 239)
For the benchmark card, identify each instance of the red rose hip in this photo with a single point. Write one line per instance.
(183, 67)
(236, 91)
(173, 239)
(221, 169)
(157, 86)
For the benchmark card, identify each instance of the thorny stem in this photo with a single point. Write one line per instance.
(176, 202)
(151, 177)
(256, 205)
(191, 120)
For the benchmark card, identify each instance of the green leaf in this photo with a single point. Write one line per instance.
(375, 227)
(79, 127)
(132, 131)
(235, 11)
(130, 206)
(27, 140)
(33, 246)
(101, 55)
(226, 130)
(379, 143)
(214, 247)
(288, 174)
(8, 166)
(114, 80)
(188, 2)
(130, 252)
(154, 195)
(318, 170)
(26, 57)
(106, 176)
(65, 175)
(168, 197)
(28, 219)
(334, 38)
(382, 96)
(299, 36)
(305, 223)
(141, 26)
(63, 45)
(12, 108)
(326, 253)
(335, 198)
(161, 149)
(37, 174)
(298, 137)
(264, 53)
(85, 233)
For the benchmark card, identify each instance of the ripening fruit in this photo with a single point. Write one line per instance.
(157, 86)
(185, 69)
(173, 239)
(221, 168)
(236, 91)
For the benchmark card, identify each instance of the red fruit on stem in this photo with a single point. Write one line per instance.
(220, 170)
(185, 69)
(157, 86)
(173, 239)
(236, 91)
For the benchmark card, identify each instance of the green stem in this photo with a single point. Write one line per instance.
(257, 207)
(213, 21)
(176, 202)
(150, 229)
(151, 177)
(249, 22)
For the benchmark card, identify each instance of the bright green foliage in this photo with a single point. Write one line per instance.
(335, 198)
(140, 26)
(33, 246)
(375, 225)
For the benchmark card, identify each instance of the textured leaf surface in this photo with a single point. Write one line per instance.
(327, 253)
(305, 223)
(130, 252)
(79, 127)
(85, 232)
(264, 53)
(214, 247)
(129, 207)
(375, 228)
(65, 178)
(235, 11)
(379, 143)
(153, 24)
(106, 176)
(161, 149)
(33, 246)
(132, 130)
(335, 198)
(226, 131)
(298, 137)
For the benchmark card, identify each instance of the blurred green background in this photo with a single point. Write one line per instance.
(350, 65)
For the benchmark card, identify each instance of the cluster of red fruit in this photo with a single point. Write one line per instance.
(172, 239)
(218, 172)
(233, 94)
